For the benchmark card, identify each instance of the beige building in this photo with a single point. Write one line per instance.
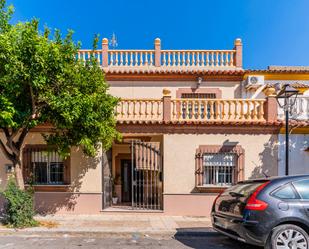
(192, 125)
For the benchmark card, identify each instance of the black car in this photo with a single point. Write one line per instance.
(272, 212)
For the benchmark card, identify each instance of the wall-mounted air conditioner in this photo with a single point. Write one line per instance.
(254, 81)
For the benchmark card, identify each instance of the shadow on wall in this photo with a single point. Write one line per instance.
(66, 201)
(268, 160)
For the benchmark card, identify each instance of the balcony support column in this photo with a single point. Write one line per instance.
(270, 109)
(157, 48)
(167, 105)
(238, 54)
(105, 52)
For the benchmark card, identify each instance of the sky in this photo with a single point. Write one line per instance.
(274, 32)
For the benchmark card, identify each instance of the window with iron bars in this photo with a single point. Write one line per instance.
(219, 169)
(47, 167)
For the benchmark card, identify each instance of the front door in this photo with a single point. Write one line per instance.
(126, 180)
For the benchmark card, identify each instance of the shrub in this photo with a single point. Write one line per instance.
(19, 206)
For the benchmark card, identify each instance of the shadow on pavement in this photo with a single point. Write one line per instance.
(206, 238)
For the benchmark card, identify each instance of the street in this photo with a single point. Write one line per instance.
(211, 241)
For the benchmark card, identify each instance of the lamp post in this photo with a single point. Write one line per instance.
(286, 92)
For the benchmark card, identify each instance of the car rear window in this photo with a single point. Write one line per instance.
(285, 192)
(302, 188)
(245, 189)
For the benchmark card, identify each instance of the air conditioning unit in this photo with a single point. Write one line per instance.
(254, 81)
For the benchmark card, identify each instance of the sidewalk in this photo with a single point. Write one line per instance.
(118, 225)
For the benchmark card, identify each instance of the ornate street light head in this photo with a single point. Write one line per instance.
(287, 91)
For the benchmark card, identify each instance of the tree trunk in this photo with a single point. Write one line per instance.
(19, 176)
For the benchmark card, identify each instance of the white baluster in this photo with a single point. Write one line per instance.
(112, 58)
(173, 60)
(141, 63)
(126, 58)
(222, 62)
(146, 58)
(231, 58)
(207, 59)
(193, 58)
(121, 59)
(163, 58)
(169, 59)
(188, 59)
(183, 58)
(116, 58)
(203, 61)
(151, 60)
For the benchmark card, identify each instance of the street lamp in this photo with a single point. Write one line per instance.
(286, 92)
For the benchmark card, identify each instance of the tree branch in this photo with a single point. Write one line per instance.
(22, 138)
(6, 152)
(10, 142)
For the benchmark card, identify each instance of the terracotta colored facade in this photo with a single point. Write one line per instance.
(198, 126)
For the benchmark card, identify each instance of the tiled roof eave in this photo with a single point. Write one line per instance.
(174, 70)
(277, 123)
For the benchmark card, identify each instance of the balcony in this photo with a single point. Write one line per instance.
(167, 59)
(191, 110)
(300, 110)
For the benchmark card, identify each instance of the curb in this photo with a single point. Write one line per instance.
(148, 233)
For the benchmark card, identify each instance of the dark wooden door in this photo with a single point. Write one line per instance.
(126, 180)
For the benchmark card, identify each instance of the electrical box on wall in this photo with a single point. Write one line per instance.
(9, 168)
(254, 82)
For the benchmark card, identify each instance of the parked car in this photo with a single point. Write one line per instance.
(271, 212)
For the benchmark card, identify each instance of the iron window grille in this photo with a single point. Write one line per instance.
(219, 169)
(48, 167)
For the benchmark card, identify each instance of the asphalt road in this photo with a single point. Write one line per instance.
(211, 241)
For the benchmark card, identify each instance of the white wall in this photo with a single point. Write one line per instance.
(299, 159)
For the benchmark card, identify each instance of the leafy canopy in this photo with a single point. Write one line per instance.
(42, 82)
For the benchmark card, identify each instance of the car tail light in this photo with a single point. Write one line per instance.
(255, 204)
(217, 197)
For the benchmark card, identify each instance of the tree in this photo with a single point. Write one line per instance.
(41, 81)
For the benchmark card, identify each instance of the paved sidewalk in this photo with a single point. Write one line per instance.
(118, 224)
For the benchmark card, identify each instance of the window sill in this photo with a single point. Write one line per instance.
(50, 188)
(210, 189)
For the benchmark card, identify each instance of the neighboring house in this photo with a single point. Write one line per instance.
(298, 77)
(190, 129)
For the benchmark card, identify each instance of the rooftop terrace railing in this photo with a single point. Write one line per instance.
(165, 58)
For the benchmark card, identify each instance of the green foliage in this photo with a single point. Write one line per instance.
(19, 206)
(41, 81)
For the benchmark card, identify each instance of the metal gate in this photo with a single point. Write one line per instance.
(147, 186)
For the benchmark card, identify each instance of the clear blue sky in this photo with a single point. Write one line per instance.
(274, 32)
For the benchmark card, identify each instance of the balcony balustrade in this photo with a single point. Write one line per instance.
(165, 58)
(205, 110)
(299, 111)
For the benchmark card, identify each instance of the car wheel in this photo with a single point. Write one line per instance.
(288, 237)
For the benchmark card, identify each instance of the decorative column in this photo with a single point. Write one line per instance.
(271, 109)
(238, 54)
(157, 47)
(105, 52)
(167, 105)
